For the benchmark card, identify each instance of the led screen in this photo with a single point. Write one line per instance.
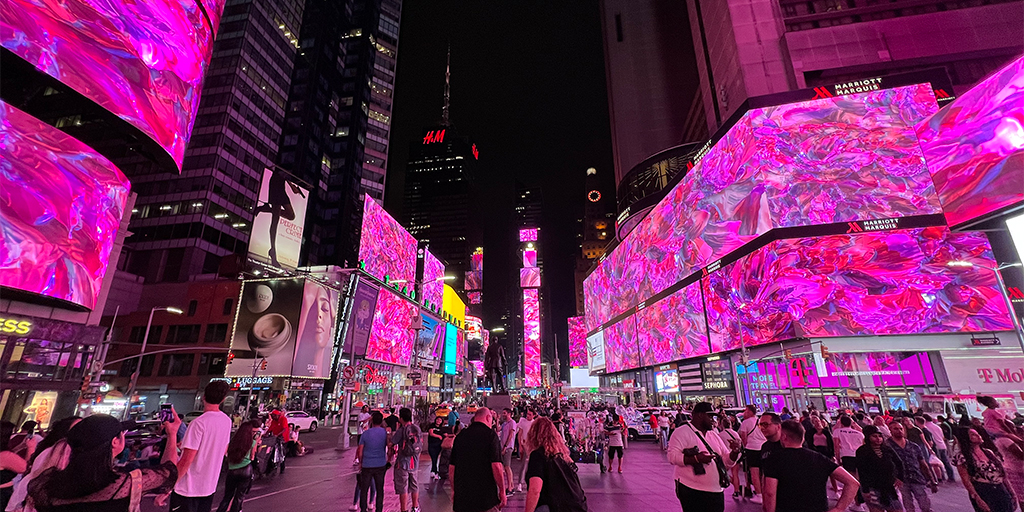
(364, 303)
(267, 324)
(894, 282)
(580, 378)
(975, 147)
(577, 342)
(280, 214)
(621, 351)
(314, 343)
(391, 340)
(529, 277)
(430, 342)
(474, 328)
(595, 351)
(529, 258)
(531, 338)
(830, 160)
(528, 235)
(476, 261)
(475, 297)
(1015, 225)
(453, 306)
(673, 328)
(460, 350)
(433, 279)
(60, 208)
(450, 349)
(474, 280)
(666, 381)
(142, 61)
(385, 247)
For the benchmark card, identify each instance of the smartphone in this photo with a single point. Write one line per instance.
(166, 413)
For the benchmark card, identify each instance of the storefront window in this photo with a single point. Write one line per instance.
(39, 360)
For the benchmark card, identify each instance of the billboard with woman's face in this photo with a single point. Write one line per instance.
(314, 345)
(266, 328)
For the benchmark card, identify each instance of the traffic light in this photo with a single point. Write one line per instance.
(824, 352)
(263, 365)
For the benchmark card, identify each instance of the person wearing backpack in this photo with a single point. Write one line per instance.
(553, 485)
(407, 446)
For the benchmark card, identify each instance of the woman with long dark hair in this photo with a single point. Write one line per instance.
(434, 440)
(90, 483)
(241, 452)
(981, 471)
(52, 451)
(551, 473)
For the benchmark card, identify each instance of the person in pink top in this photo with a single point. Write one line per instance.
(996, 423)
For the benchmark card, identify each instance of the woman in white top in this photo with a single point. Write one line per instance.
(727, 431)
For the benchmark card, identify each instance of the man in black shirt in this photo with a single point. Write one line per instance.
(391, 421)
(770, 424)
(479, 484)
(795, 477)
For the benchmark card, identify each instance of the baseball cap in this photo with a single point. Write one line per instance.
(705, 408)
(96, 430)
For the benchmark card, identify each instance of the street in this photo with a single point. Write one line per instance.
(325, 480)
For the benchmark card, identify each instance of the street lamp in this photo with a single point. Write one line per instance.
(1002, 290)
(138, 366)
(498, 329)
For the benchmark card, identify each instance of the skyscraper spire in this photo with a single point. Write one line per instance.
(447, 79)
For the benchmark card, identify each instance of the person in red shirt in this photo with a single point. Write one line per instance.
(279, 427)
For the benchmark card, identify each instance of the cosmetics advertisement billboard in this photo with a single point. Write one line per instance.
(315, 341)
(595, 351)
(266, 326)
(276, 237)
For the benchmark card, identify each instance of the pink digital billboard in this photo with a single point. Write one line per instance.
(433, 279)
(391, 340)
(577, 342)
(61, 205)
(528, 235)
(621, 351)
(673, 328)
(529, 277)
(529, 258)
(142, 61)
(531, 338)
(975, 147)
(385, 247)
(894, 282)
(841, 159)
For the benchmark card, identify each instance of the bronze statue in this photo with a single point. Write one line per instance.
(494, 364)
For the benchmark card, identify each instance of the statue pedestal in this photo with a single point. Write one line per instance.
(498, 402)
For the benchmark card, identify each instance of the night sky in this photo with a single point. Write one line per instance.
(528, 86)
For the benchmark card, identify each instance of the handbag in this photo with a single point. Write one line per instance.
(723, 475)
(447, 443)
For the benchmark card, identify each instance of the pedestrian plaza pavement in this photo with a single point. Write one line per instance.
(324, 480)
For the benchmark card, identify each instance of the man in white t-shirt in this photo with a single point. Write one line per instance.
(939, 441)
(362, 425)
(847, 439)
(522, 430)
(202, 453)
(696, 473)
(752, 438)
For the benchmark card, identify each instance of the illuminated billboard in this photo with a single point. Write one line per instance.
(475, 297)
(433, 279)
(474, 338)
(276, 237)
(528, 235)
(391, 339)
(531, 338)
(360, 321)
(529, 258)
(460, 350)
(667, 381)
(266, 327)
(475, 276)
(430, 342)
(975, 147)
(894, 282)
(529, 277)
(830, 160)
(61, 205)
(621, 351)
(314, 344)
(142, 61)
(385, 247)
(450, 350)
(673, 328)
(453, 306)
(577, 342)
(595, 352)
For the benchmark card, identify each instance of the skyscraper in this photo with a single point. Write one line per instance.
(184, 224)
(597, 229)
(338, 120)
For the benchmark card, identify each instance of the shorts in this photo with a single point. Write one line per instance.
(506, 459)
(753, 458)
(612, 450)
(405, 476)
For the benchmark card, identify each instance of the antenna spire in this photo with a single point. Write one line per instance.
(447, 86)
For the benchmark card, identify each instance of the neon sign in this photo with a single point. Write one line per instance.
(437, 136)
(476, 154)
(14, 325)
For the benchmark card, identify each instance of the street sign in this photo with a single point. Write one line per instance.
(413, 375)
(977, 342)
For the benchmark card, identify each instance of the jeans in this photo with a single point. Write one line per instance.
(943, 456)
(236, 486)
(181, 503)
(996, 497)
(664, 438)
(376, 477)
(435, 451)
(359, 487)
(919, 492)
(693, 500)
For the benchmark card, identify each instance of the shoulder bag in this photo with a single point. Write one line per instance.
(723, 474)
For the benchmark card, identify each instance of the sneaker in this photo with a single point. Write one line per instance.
(736, 495)
(755, 498)
(519, 488)
(355, 506)
(509, 493)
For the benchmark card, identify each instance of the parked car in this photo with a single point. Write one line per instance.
(189, 416)
(301, 421)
